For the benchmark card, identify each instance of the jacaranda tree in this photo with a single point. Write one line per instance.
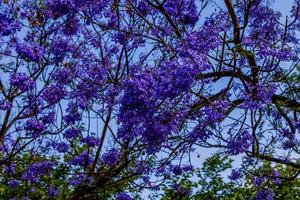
(105, 99)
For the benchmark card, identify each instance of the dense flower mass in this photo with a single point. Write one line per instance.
(36, 170)
(111, 157)
(102, 99)
(34, 127)
(8, 24)
(32, 52)
(267, 194)
(22, 81)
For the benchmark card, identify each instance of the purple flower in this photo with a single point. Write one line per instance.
(239, 143)
(111, 157)
(53, 191)
(73, 114)
(31, 190)
(14, 183)
(72, 25)
(80, 178)
(288, 144)
(123, 196)
(34, 127)
(35, 170)
(177, 170)
(83, 159)
(10, 169)
(53, 93)
(91, 141)
(72, 133)
(5, 105)
(31, 52)
(258, 181)
(62, 147)
(143, 8)
(59, 8)
(235, 174)
(22, 81)
(276, 177)
(61, 49)
(63, 76)
(48, 118)
(265, 194)
(8, 24)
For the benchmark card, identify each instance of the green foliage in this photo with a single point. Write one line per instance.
(210, 182)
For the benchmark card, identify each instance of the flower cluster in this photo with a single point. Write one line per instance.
(61, 147)
(22, 81)
(187, 14)
(265, 194)
(31, 52)
(239, 143)
(235, 174)
(8, 24)
(123, 196)
(36, 170)
(59, 8)
(53, 93)
(72, 133)
(91, 141)
(83, 159)
(34, 127)
(112, 157)
(5, 105)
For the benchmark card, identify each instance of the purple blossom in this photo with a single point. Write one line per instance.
(8, 24)
(5, 105)
(14, 183)
(73, 115)
(59, 8)
(61, 49)
(31, 52)
(53, 191)
(265, 194)
(276, 177)
(91, 141)
(288, 144)
(79, 179)
(48, 118)
(177, 170)
(235, 174)
(71, 26)
(83, 159)
(54, 93)
(143, 8)
(35, 170)
(111, 157)
(72, 133)
(63, 76)
(258, 181)
(123, 196)
(240, 143)
(34, 127)
(22, 81)
(167, 78)
(10, 169)
(61, 147)
(188, 11)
